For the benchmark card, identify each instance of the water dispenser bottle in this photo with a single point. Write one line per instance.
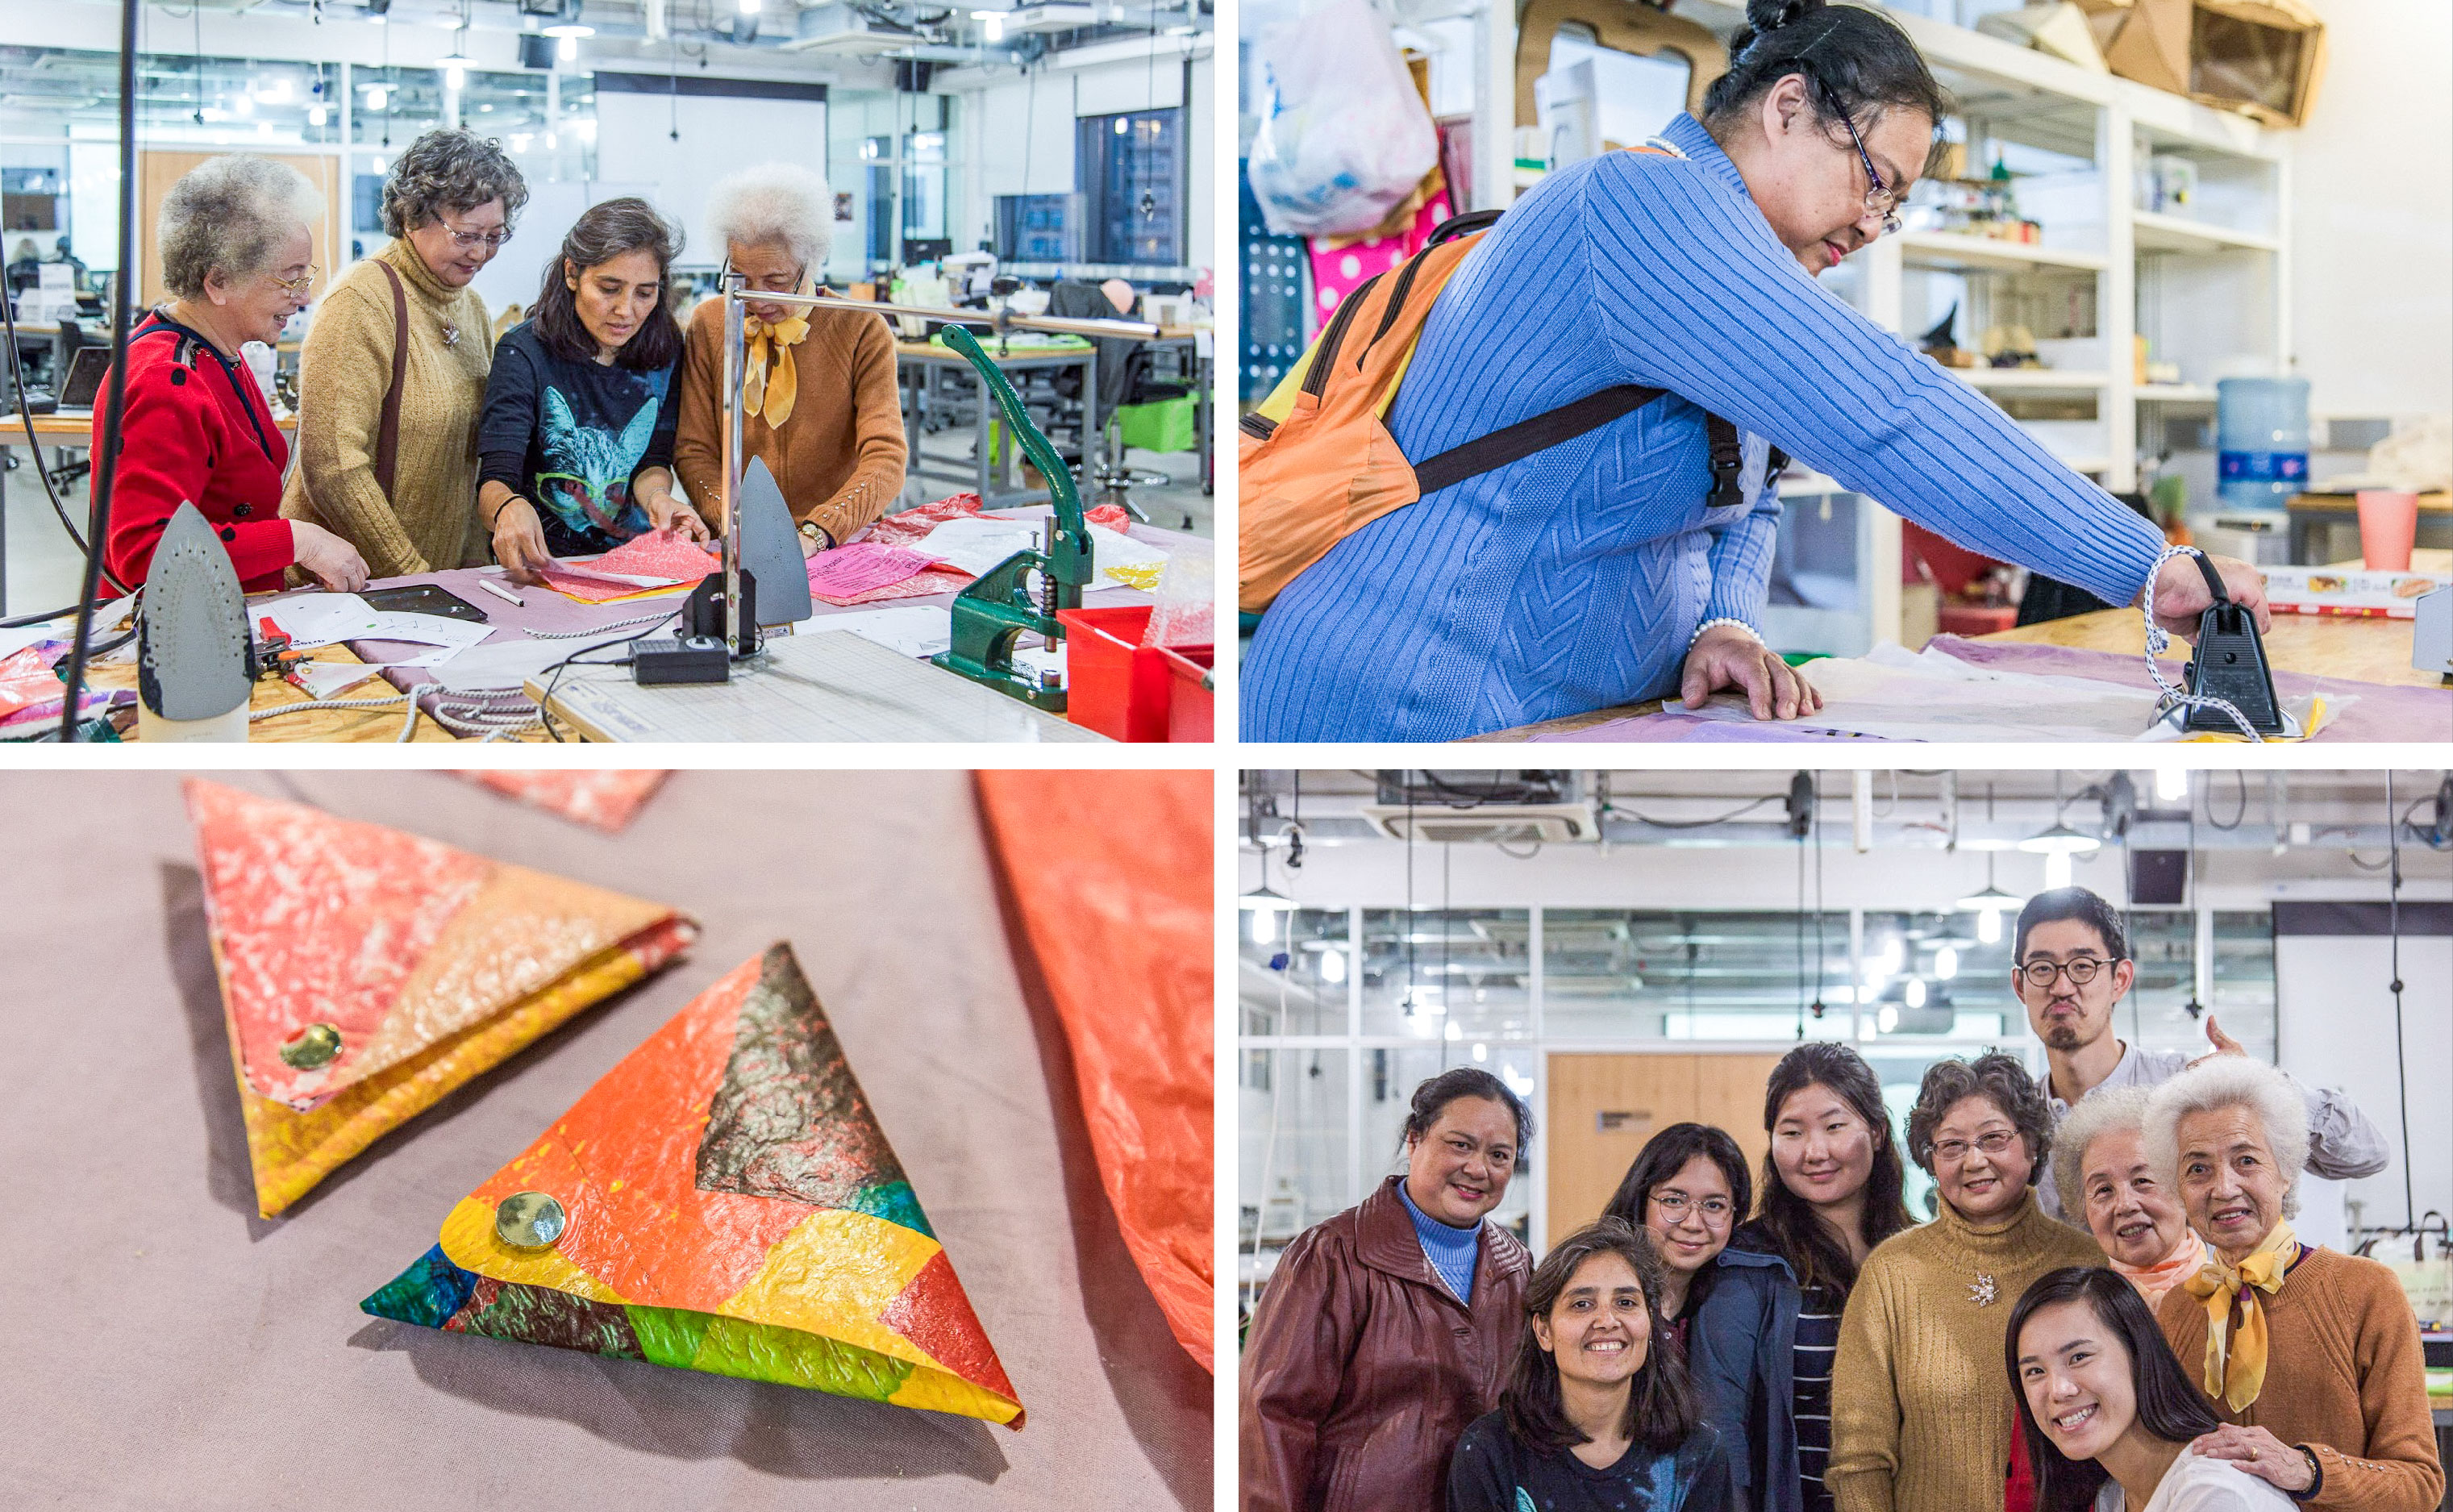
(2263, 426)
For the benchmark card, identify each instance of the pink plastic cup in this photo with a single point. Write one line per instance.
(2389, 523)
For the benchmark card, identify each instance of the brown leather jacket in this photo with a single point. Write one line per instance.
(1362, 1369)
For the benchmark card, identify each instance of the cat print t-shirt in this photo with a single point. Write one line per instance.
(569, 437)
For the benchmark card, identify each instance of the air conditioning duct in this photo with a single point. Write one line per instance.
(1489, 823)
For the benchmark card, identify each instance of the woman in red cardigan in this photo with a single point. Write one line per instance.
(234, 251)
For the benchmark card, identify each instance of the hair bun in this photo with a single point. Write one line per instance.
(1770, 15)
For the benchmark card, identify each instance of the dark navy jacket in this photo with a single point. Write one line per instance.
(1740, 1349)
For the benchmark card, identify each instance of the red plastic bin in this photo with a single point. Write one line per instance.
(1127, 691)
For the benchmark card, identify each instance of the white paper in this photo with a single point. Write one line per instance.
(324, 679)
(976, 543)
(917, 630)
(427, 629)
(1113, 550)
(319, 618)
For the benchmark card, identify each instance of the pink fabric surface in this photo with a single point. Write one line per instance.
(168, 1348)
(654, 555)
(2355, 711)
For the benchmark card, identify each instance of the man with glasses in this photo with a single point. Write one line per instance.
(2071, 967)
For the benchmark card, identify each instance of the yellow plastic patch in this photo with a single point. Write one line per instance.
(834, 1274)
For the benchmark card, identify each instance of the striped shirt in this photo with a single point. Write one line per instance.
(1818, 1345)
(1575, 579)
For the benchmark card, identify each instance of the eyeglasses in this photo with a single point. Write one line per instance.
(1880, 198)
(2081, 971)
(302, 285)
(1950, 1152)
(1673, 1206)
(465, 240)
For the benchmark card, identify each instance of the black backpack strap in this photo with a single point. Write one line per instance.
(1521, 440)
(1466, 225)
(1729, 463)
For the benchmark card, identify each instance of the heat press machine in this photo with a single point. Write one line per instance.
(195, 657)
(721, 619)
(2227, 687)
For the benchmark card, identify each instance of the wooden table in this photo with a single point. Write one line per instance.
(2315, 517)
(356, 724)
(71, 432)
(2365, 650)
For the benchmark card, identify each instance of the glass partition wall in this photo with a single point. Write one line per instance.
(1343, 1011)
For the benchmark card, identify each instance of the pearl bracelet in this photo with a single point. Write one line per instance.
(1734, 624)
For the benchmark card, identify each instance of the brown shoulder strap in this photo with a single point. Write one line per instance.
(388, 436)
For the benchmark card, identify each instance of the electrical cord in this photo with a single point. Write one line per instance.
(544, 716)
(1717, 819)
(33, 443)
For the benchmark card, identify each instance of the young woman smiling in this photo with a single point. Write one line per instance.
(577, 438)
(1384, 1330)
(1832, 1186)
(1730, 1314)
(2107, 1411)
(1596, 1417)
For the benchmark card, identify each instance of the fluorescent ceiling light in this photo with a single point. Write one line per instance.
(2171, 783)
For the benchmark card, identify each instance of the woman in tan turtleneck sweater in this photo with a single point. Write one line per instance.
(449, 204)
(1921, 1416)
(819, 400)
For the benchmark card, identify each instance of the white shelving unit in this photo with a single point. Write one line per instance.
(2211, 289)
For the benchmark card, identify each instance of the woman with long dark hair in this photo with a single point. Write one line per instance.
(1730, 1314)
(1384, 1330)
(1832, 1191)
(576, 444)
(1596, 1416)
(2105, 1410)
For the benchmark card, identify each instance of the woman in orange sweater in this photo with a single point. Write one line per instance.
(820, 406)
(2312, 1358)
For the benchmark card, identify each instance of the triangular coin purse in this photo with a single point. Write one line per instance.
(367, 972)
(722, 1201)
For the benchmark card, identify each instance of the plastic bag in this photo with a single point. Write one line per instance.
(1344, 136)
(1187, 612)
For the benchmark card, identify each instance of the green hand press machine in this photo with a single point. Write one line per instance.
(720, 621)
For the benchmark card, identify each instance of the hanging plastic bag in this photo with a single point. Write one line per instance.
(1344, 136)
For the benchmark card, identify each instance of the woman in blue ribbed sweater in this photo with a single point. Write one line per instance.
(1593, 573)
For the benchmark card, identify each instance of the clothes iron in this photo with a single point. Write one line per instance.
(195, 663)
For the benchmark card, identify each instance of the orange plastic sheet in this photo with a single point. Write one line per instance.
(608, 799)
(367, 972)
(731, 1205)
(1111, 872)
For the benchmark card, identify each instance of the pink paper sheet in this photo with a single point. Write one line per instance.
(655, 555)
(842, 575)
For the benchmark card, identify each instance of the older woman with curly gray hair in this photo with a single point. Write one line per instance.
(2312, 1358)
(1921, 1418)
(818, 396)
(235, 248)
(394, 372)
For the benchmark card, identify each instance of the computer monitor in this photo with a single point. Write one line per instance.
(85, 377)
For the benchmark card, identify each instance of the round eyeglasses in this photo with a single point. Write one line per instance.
(1673, 1206)
(2081, 971)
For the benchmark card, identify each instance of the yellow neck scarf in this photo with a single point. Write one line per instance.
(770, 393)
(2236, 1361)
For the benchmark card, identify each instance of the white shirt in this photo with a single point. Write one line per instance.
(2194, 1484)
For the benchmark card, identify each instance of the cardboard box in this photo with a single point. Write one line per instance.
(2143, 40)
(2262, 57)
(2359, 594)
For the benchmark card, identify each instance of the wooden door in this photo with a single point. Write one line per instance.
(157, 170)
(1602, 1108)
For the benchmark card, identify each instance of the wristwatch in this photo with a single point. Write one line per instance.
(811, 530)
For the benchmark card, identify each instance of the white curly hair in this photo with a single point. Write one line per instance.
(2098, 1113)
(2231, 1080)
(775, 203)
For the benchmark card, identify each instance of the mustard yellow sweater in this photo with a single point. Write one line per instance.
(1921, 1405)
(430, 522)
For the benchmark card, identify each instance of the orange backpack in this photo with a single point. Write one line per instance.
(1327, 466)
